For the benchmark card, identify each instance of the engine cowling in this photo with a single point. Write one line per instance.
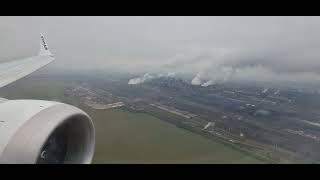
(44, 132)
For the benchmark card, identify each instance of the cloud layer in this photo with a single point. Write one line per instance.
(219, 48)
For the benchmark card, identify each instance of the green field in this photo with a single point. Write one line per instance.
(127, 137)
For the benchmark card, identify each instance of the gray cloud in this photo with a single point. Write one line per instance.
(284, 48)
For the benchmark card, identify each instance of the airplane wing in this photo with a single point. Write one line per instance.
(39, 131)
(14, 70)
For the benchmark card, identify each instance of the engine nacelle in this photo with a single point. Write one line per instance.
(44, 132)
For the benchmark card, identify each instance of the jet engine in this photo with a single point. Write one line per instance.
(44, 132)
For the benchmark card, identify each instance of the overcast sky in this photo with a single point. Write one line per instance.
(270, 48)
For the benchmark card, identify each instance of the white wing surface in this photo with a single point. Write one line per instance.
(14, 70)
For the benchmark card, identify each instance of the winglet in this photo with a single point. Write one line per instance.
(44, 49)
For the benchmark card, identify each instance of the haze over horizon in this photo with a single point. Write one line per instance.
(213, 48)
(145, 89)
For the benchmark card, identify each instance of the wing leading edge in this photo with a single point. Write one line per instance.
(14, 70)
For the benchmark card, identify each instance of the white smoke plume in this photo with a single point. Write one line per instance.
(196, 80)
(265, 90)
(208, 83)
(170, 74)
(249, 65)
(140, 80)
(147, 77)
